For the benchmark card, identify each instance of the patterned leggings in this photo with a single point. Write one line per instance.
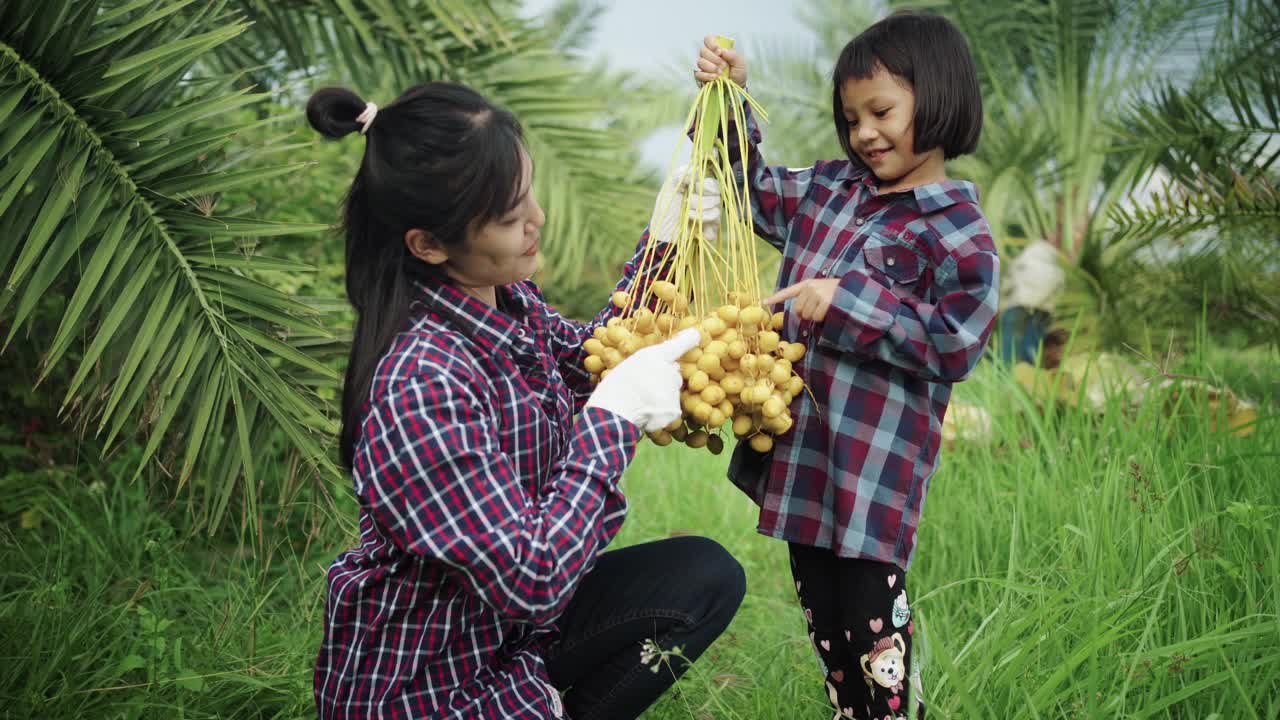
(861, 629)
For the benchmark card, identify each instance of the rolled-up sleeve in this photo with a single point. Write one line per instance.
(940, 341)
(437, 483)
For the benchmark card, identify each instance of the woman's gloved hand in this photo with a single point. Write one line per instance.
(704, 203)
(645, 387)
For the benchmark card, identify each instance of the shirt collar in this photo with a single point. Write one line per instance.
(851, 172)
(928, 198)
(491, 328)
(942, 195)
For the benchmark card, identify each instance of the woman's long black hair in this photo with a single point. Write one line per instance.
(440, 158)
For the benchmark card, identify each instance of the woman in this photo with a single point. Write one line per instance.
(479, 588)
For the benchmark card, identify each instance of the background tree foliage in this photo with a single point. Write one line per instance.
(137, 135)
(164, 210)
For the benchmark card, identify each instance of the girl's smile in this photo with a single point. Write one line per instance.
(873, 157)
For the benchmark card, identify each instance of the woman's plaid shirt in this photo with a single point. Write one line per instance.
(483, 502)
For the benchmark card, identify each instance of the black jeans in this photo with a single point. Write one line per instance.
(680, 591)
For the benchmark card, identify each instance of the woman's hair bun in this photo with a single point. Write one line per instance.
(332, 111)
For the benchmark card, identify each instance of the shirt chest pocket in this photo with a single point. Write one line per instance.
(895, 263)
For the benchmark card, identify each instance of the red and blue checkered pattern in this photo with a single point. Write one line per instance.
(919, 283)
(483, 503)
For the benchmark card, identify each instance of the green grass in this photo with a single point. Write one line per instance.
(1077, 567)
(1121, 566)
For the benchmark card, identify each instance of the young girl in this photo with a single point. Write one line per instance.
(890, 276)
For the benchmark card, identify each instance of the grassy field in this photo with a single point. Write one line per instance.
(1077, 567)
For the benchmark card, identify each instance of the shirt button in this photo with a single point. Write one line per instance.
(890, 262)
(858, 221)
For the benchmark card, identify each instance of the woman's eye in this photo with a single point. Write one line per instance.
(882, 113)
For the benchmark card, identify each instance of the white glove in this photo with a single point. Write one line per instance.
(645, 388)
(704, 204)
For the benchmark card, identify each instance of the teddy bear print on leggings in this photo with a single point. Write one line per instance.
(884, 664)
(860, 626)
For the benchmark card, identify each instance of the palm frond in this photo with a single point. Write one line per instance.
(585, 166)
(1178, 209)
(573, 23)
(1214, 138)
(379, 46)
(1223, 122)
(111, 195)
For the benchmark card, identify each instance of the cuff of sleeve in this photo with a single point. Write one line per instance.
(608, 439)
(660, 261)
(857, 316)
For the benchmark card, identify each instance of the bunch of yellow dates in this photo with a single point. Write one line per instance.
(741, 372)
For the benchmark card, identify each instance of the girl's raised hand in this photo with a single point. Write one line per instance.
(712, 59)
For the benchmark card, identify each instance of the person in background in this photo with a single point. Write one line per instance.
(1033, 284)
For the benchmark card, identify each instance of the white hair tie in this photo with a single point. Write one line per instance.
(366, 118)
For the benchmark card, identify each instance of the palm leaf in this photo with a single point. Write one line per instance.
(1178, 209)
(115, 161)
(586, 166)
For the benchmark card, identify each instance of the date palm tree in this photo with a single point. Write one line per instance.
(125, 265)
(1118, 130)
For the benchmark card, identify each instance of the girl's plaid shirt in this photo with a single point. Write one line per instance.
(919, 282)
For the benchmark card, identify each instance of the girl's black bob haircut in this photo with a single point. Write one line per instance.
(931, 55)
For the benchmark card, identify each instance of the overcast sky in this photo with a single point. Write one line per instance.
(644, 34)
(658, 36)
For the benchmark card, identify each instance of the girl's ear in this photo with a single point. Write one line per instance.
(424, 246)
